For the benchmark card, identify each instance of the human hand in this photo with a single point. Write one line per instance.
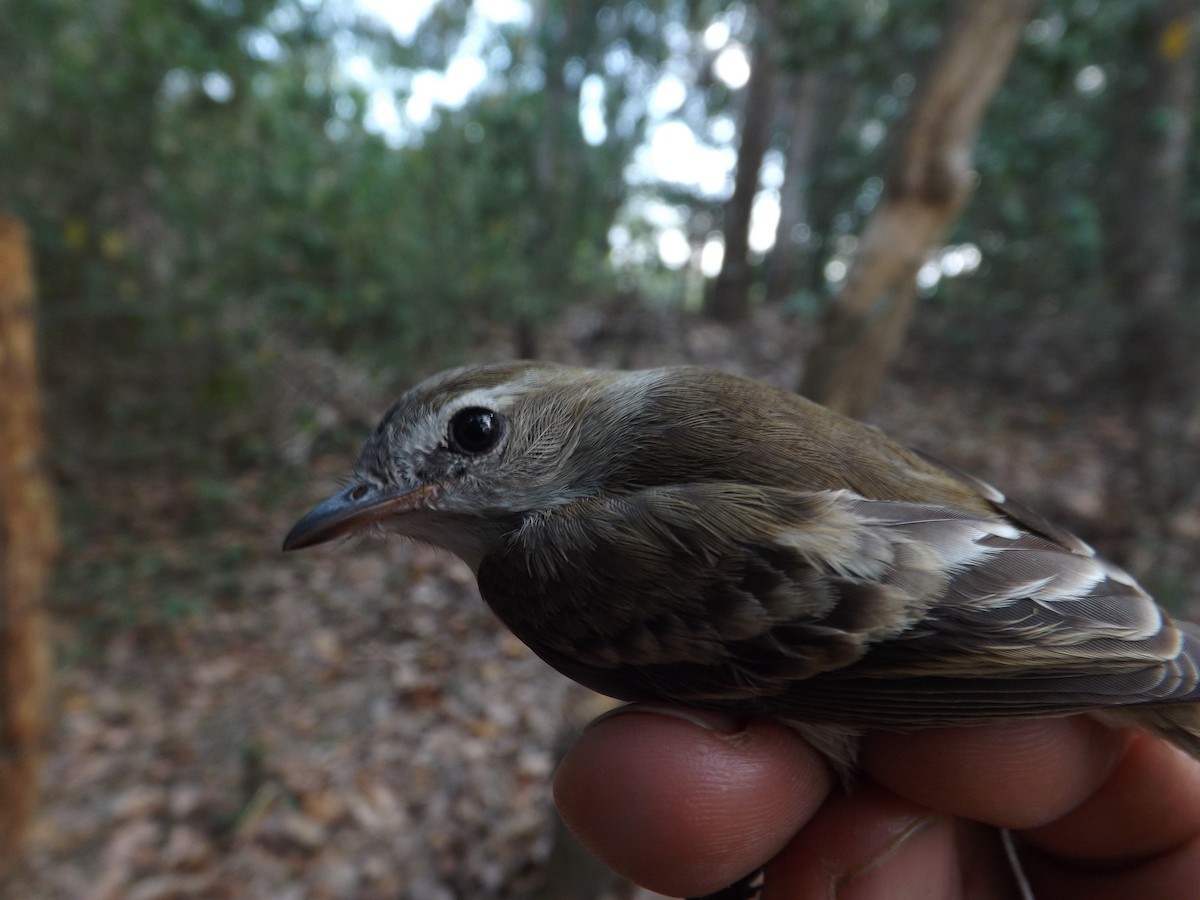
(686, 810)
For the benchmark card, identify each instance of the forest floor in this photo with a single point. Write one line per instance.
(352, 722)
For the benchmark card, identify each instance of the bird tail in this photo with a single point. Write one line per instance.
(1177, 720)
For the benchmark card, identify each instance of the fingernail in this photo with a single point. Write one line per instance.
(709, 720)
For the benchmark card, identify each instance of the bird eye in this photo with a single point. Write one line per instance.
(475, 430)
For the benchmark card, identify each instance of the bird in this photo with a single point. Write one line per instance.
(688, 536)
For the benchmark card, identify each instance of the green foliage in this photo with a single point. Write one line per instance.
(201, 173)
(198, 174)
(207, 195)
(1044, 156)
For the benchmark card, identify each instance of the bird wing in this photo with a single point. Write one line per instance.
(830, 606)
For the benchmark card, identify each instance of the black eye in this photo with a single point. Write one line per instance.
(475, 430)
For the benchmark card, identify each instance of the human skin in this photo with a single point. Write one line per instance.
(685, 802)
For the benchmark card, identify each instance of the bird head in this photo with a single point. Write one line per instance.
(459, 458)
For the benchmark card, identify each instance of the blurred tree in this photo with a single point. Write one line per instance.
(1154, 111)
(803, 96)
(28, 545)
(927, 181)
(1042, 169)
(729, 298)
(220, 179)
(128, 148)
(571, 197)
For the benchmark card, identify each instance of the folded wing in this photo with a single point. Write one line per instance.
(831, 607)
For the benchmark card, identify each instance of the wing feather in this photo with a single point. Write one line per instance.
(828, 606)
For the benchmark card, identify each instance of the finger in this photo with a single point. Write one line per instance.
(1138, 834)
(856, 843)
(685, 803)
(873, 845)
(1106, 813)
(1019, 774)
(1170, 876)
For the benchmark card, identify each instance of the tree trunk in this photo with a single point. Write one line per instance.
(729, 300)
(839, 102)
(556, 25)
(927, 181)
(28, 543)
(800, 105)
(1144, 234)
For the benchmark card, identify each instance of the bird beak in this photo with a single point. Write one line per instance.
(350, 510)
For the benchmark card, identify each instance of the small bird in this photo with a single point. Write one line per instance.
(688, 536)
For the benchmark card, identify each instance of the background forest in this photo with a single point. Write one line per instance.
(253, 221)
